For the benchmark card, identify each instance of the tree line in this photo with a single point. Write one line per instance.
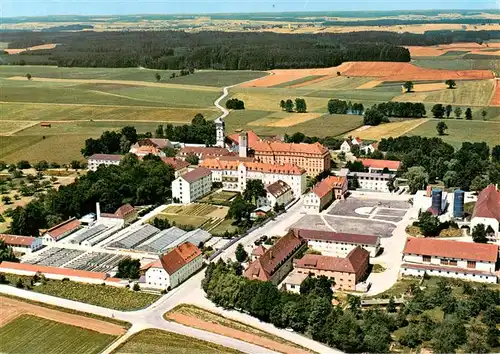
(351, 330)
(441, 111)
(299, 105)
(138, 182)
(200, 131)
(424, 160)
(174, 50)
(336, 106)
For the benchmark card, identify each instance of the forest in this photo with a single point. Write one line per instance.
(217, 50)
(448, 316)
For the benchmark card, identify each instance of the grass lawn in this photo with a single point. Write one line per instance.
(462, 130)
(398, 289)
(211, 317)
(9, 127)
(184, 220)
(225, 225)
(100, 295)
(218, 197)
(155, 341)
(30, 334)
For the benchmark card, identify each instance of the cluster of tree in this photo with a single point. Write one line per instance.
(328, 141)
(425, 160)
(200, 131)
(401, 109)
(351, 330)
(6, 253)
(129, 268)
(440, 111)
(336, 106)
(161, 223)
(138, 182)
(175, 50)
(431, 226)
(235, 103)
(111, 142)
(480, 233)
(300, 105)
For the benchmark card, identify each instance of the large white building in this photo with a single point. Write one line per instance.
(447, 258)
(174, 267)
(487, 211)
(320, 196)
(23, 244)
(234, 174)
(96, 160)
(192, 185)
(336, 244)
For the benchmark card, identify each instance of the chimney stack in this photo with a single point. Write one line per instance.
(243, 144)
(97, 211)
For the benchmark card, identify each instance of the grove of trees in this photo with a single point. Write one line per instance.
(235, 103)
(336, 106)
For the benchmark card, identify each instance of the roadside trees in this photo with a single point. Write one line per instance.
(448, 109)
(408, 85)
(438, 110)
(468, 114)
(458, 112)
(451, 83)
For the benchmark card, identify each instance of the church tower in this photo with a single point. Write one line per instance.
(219, 132)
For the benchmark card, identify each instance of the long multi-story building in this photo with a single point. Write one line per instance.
(314, 158)
(192, 185)
(96, 160)
(447, 258)
(320, 196)
(235, 174)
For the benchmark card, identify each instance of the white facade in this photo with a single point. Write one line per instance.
(271, 200)
(96, 160)
(312, 203)
(341, 249)
(418, 265)
(236, 180)
(372, 181)
(157, 277)
(187, 192)
(26, 247)
(219, 132)
(367, 149)
(345, 147)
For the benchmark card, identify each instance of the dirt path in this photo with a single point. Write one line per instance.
(120, 82)
(10, 309)
(234, 333)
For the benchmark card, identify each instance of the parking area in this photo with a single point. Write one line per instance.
(370, 208)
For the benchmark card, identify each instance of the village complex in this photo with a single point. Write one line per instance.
(266, 238)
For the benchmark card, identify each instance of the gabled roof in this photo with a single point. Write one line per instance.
(177, 258)
(124, 210)
(159, 143)
(252, 138)
(287, 148)
(16, 240)
(278, 188)
(451, 249)
(177, 164)
(265, 266)
(351, 264)
(196, 174)
(337, 237)
(258, 251)
(323, 187)
(59, 230)
(107, 157)
(391, 165)
(147, 149)
(488, 204)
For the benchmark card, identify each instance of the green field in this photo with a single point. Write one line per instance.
(202, 78)
(30, 334)
(106, 296)
(450, 63)
(462, 130)
(155, 341)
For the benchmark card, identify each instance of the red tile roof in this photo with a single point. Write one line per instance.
(452, 249)
(124, 210)
(288, 148)
(286, 169)
(328, 184)
(196, 174)
(147, 149)
(36, 268)
(59, 230)
(265, 266)
(444, 268)
(337, 237)
(488, 204)
(252, 138)
(258, 251)
(355, 260)
(159, 143)
(391, 165)
(107, 157)
(177, 164)
(177, 258)
(16, 240)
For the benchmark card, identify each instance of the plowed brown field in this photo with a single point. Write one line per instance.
(434, 51)
(495, 99)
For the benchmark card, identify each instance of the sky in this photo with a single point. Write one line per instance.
(13, 8)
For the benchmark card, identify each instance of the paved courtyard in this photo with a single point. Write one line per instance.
(370, 208)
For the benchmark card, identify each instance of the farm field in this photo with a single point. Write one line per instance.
(155, 341)
(106, 296)
(203, 319)
(474, 93)
(461, 130)
(30, 334)
(202, 77)
(458, 63)
(393, 129)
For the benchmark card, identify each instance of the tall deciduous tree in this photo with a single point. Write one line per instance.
(417, 178)
(479, 234)
(468, 114)
(448, 110)
(254, 190)
(458, 112)
(240, 253)
(408, 85)
(441, 127)
(438, 110)
(451, 83)
(300, 105)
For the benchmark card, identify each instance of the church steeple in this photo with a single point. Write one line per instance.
(219, 132)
